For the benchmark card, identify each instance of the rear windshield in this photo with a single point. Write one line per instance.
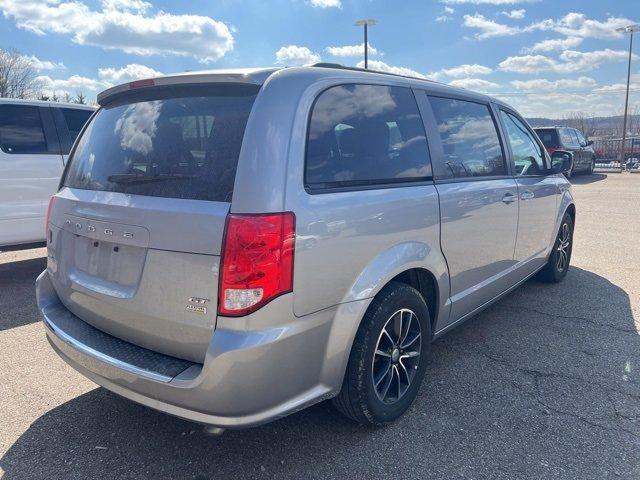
(549, 136)
(180, 142)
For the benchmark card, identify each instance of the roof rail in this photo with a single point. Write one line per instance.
(366, 70)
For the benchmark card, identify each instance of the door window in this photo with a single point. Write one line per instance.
(21, 130)
(527, 154)
(470, 141)
(365, 135)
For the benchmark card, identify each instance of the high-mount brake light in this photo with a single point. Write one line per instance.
(257, 261)
(147, 82)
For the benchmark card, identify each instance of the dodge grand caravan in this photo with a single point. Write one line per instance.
(233, 246)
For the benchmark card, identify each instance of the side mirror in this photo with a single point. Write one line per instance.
(589, 143)
(561, 161)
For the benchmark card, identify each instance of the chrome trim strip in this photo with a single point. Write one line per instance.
(114, 362)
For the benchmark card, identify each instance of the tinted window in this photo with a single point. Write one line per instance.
(177, 143)
(75, 120)
(527, 154)
(567, 137)
(363, 135)
(469, 138)
(549, 137)
(21, 129)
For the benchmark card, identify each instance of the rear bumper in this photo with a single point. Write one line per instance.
(257, 368)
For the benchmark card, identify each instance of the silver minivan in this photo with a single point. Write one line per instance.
(233, 246)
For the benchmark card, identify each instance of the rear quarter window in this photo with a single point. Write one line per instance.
(548, 136)
(75, 119)
(180, 142)
(363, 135)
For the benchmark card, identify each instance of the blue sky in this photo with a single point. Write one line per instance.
(546, 57)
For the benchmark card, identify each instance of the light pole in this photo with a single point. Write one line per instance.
(628, 29)
(366, 22)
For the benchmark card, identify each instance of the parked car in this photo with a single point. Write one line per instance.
(35, 139)
(230, 247)
(572, 140)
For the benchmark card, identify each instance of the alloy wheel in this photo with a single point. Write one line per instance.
(397, 356)
(563, 247)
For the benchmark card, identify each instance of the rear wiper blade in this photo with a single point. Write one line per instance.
(137, 178)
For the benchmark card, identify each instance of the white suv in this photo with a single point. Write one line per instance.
(35, 138)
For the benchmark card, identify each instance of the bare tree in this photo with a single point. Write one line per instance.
(581, 121)
(17, 75)
(67, 97)
(80, 98)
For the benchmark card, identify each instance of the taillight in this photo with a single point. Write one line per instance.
(257, 261)
(48, 217)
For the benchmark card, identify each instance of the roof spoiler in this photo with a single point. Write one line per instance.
(254, 77)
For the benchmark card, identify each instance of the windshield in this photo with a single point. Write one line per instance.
(181, 142)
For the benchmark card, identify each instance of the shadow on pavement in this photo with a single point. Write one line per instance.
(542, 385)
(583, 179)
(17, 286)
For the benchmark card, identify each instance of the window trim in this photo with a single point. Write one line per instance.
(351, 185)
(438, 141)
(543, 150)
(50, 143)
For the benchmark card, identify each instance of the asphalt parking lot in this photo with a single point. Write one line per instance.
(544, 384)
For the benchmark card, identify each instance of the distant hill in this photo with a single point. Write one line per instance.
(604, 126)
(600, 122)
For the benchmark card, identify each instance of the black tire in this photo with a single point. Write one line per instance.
(359, 398)
(556, 268)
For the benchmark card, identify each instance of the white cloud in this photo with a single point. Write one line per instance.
(578, 25)
(294, 55)
(515, 14)
(133, 71)
(326, 3)
(618, 87)
(474, 84)
(544, 85)
(130, 5)
(554, 44)
(383, 67)
(107, 77)
(570, 61)
(445, 16)
(41, 65)
(72, 84)
(488, 28)
(486, 2)
(124, 26)
(572, 25)
(465, 70)
(351, 50)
